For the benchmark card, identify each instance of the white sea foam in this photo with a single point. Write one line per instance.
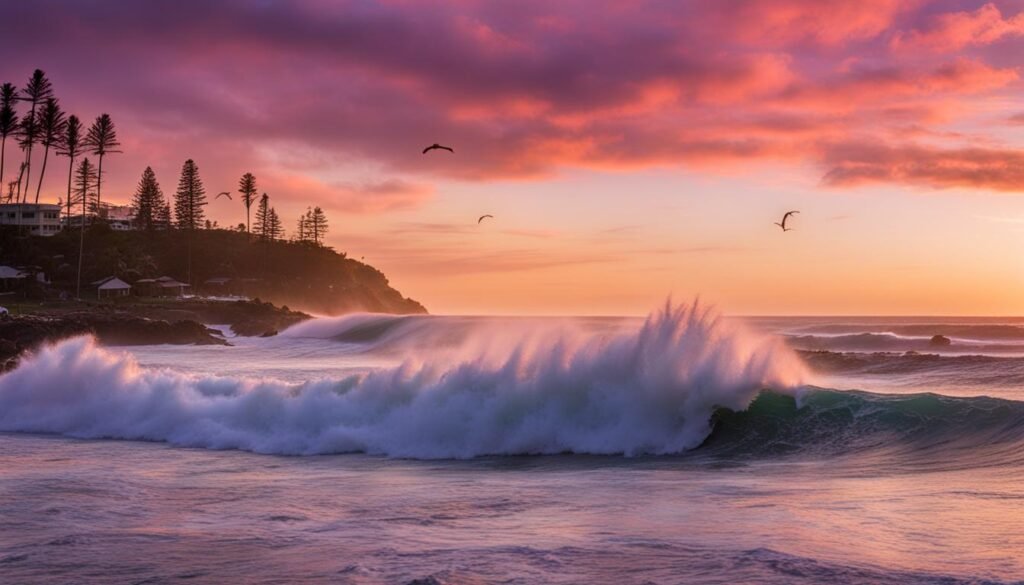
(645, 391)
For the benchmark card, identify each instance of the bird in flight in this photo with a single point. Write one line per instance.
(221, 194)
(784, 218)
(436, 146)
(483, 217)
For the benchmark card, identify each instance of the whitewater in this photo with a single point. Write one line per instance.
(682, 447)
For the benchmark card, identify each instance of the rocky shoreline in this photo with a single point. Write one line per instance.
(172, 322)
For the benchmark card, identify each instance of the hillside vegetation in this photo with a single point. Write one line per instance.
(302, 275)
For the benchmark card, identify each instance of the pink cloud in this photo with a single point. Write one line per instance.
(997, 169)
(955, 30)
(295, 91)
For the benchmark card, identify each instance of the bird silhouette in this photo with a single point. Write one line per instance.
(223, 193)
(436, 146)
(784, 218)
(483, 217)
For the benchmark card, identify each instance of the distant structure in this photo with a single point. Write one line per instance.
(110, 287)
(39, 219)
(120, 218)
(165, 286)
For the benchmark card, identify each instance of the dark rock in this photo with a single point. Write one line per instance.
(23, 333)
(940, 341)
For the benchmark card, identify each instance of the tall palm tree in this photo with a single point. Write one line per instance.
(101, 140)
(51, 133)
(36, 92)
(8, 119)
(71, 147)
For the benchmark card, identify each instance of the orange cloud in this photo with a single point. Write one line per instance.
(370, 197)
(977, 168)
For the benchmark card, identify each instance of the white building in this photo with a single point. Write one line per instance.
(39, 219)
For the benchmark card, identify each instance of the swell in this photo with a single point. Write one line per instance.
(909, 428)
(888, 341)
(651, 390)
(972, 370)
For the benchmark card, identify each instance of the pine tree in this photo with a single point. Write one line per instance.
(316, 223)
(148, 201)
(275, 231)
(247, 187)
(85, 179)
(163, 218)
(190, 198)
(263, 217)
(300, 230)
(84, 192)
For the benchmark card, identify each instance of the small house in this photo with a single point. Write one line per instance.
(112, 287)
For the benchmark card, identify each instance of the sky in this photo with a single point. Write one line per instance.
(629, 151)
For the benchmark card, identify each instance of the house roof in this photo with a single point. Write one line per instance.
(115, 283)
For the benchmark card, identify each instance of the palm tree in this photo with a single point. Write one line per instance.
(51, 133)
(101, 140)
(36, 91)
(247, 187)
(8, 119)
(28, 132)
(71, 147)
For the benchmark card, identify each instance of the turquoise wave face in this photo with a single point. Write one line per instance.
(925, 429)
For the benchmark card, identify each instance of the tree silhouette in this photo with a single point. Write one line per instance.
(301, 234)
(101, 140)
(190, 198)
(8, 120)
(275, 231)
(148, 201)
(85, 178)
(189, 201)
(163, 216)
(36, 91)
(263, 217)
(52, 125)
(316, 224)
(247, 187)
(71, 147)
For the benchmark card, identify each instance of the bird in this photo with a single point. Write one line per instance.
(223, 193)
(483, 217)
(436, 146)
(784, 218)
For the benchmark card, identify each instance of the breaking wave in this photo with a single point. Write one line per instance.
(652, 390)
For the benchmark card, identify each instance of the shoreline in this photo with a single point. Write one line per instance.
(176, 322)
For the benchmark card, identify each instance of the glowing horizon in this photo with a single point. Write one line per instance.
(628, 152)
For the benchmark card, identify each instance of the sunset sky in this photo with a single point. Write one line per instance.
(628, 150)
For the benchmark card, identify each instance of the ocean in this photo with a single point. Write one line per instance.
(680, 448)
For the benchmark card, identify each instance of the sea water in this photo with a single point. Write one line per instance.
(680, 448)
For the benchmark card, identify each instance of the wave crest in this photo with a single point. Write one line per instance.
(650, 391)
